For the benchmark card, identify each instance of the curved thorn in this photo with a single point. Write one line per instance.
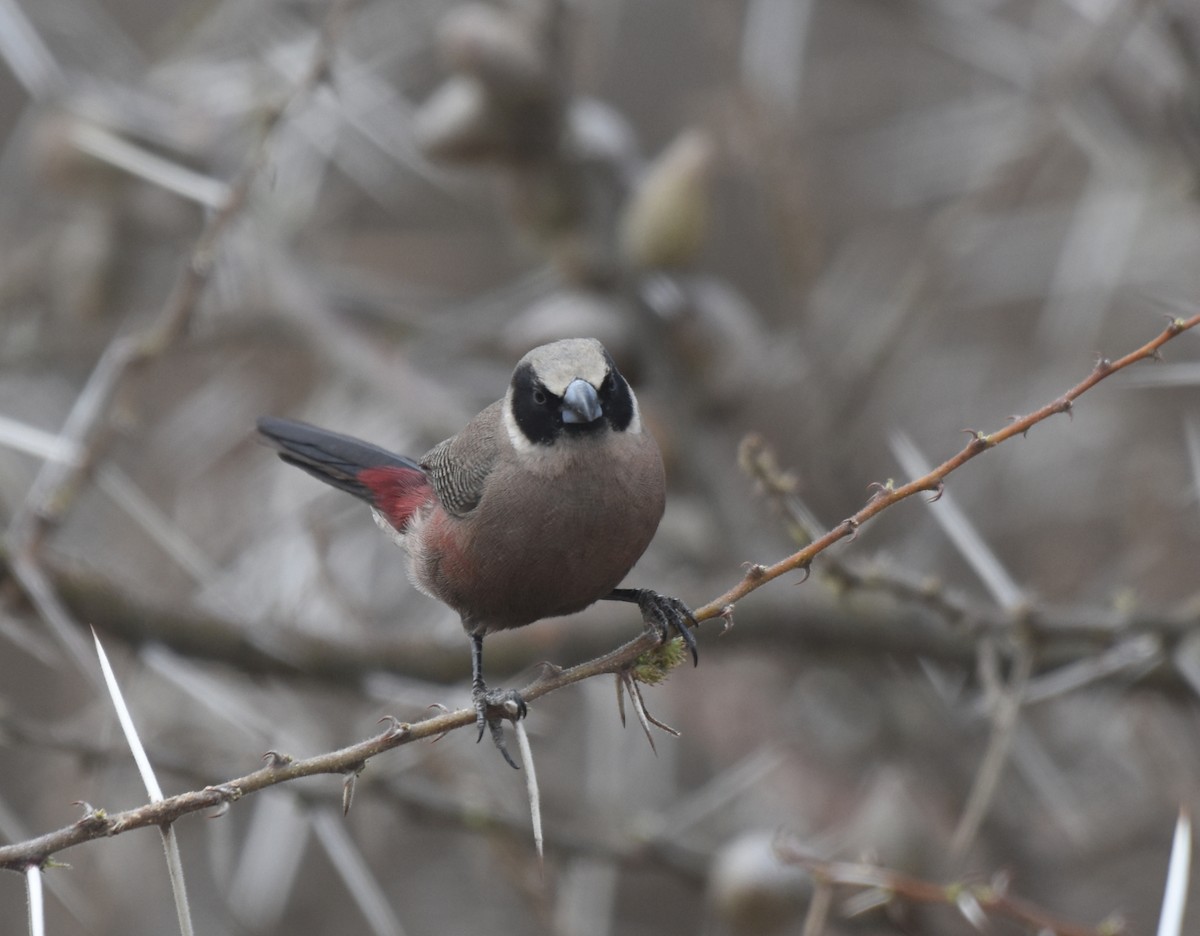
(395, 727)
(727, 617)
(639, 708)
(88, 809)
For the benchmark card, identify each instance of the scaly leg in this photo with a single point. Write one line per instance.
(492, 706)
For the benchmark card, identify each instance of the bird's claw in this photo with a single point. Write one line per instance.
(492, 707)
(666, 614)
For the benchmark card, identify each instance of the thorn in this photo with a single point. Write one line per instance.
(726, 616)
(395, 727)
(92, 816)
(1065, 406)
(938, 490)
(807, 568)
(1014, 419)
(1156, 355)
(228, 794)
(275, 759)
(880, 490)
(546, 671)
(639, 708)
(621, 677)
(851, 526)
(1102, 364)
(643, 714)
(348, 786)
(441, 708)
(662, 726)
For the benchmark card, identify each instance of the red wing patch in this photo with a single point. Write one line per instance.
(397, 493)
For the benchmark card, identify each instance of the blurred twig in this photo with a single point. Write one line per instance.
(1006, 707)
(1100, 640)
(54, 489)
(968, 898)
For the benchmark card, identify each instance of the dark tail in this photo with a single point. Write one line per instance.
(329, 456)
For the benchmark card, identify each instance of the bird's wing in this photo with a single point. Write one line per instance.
(459, 467)
(394, 485)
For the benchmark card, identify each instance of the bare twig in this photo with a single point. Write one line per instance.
(279, 769)
(355, 871)
(1006, 707)
(990, 899)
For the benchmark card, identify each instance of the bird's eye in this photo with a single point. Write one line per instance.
(539, 396)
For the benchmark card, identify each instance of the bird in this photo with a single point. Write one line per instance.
(537, 508)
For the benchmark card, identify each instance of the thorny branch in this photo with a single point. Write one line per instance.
(280, 769)
(430, 799)
(933, 481)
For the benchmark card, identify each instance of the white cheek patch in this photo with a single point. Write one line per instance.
(515, 435)
(635, 423)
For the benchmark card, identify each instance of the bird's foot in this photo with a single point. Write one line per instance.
(492, 707)
(666, 614)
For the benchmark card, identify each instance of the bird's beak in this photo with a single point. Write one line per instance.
(580, 403)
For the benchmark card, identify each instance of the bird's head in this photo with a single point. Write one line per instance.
(565, 389)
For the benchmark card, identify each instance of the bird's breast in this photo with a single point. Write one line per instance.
(547, 538)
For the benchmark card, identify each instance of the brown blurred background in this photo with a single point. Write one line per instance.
(853, 228)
